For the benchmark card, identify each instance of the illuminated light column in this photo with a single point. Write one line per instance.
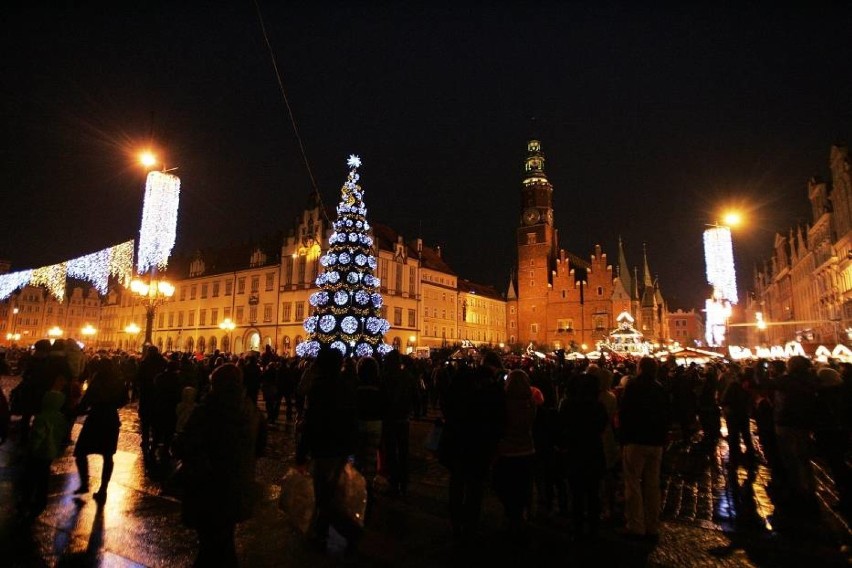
(719, 258)
(159, 221)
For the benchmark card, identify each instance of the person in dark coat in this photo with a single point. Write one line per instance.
(218, 449)
(582, 421)
(371, 404)
(644, 421)
(105, 395)
(167, 395)
(151, 365)
(474, 414)
(251, 378)
(401, 388)
(329, 437)
(36, 380)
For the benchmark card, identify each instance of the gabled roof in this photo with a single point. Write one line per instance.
(479, 289)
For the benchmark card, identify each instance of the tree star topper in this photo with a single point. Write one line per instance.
(353, 161)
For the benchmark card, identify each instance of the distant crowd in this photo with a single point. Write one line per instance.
(583, 440)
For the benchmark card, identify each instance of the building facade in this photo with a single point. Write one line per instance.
(557, 300)
(804, 290)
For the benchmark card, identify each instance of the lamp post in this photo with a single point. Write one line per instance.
(14, 335)
(151, 294)
(228, 326)
(54, 332)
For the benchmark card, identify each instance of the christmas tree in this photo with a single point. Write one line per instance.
(346, 312)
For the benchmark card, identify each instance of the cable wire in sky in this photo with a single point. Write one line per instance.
(290, 111)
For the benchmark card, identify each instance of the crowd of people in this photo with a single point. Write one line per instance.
(583, 440)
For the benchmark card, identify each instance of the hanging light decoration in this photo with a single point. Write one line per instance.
(51, 277)
(14, 281)
(121, 262)
(159, 220)
(93, 268)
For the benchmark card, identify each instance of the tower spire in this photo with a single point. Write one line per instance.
(624, 268)
(648, 281)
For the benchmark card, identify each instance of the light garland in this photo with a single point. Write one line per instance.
(159, 220)
(14, 281)
(93, 268)
(53, 278)
(121, 262)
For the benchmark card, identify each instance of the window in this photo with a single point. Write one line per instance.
(229, 285)
(599, 323)
(397, 316)
(412, 283)
(267, 312)
(216, 289)
(214, 316)
(412, 318)
(270, 281)
(171, 319)
(227, 313)
(600, 290)
(302, 264)
(512, 310)
(532, 262)
(162, 320)
(512, 324)
(564, 294)
(252, 314)
(255, 284)
(240, 313)
(182, 293)
(191, 322)
(383, 270)
(193, 290)
(532, 283)
(288, 270)
(530, 238)
(300, 311)
(564, 325)
(398, 275)
(285, 311)
(241, 285)
(204, 290)
(534, 328)
(202, 318)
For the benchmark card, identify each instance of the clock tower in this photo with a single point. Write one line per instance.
(537, 247)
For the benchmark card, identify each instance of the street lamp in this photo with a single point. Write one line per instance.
(89, 331)
(151, 294)
(54, 332)
(228, 326)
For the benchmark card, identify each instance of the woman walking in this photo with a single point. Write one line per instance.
(105, 395)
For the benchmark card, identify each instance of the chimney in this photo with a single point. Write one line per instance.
(438, 250)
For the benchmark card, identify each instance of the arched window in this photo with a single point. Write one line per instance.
(190, 345)
(226, 344)
(201, 345)
(285, 345)
(298, 340)
(397, 342)
(212, 343)
(160, 344)
(169, 344)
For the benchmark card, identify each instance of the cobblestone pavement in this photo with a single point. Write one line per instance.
(715, 515)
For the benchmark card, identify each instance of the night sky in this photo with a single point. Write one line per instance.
(651, 122)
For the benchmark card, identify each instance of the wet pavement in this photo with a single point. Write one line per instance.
(714, 514)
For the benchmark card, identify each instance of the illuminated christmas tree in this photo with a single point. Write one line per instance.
(347, 308)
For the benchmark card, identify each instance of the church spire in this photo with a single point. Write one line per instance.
(534, 164)
(624, 268)
(648, 281)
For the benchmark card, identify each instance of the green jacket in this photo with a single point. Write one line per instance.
(49, 428)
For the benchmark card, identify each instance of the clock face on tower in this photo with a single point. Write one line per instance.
(531, 216)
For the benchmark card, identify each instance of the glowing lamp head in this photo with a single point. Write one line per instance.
(166, 289)
(148, 159)
(132, 329)
(732, 219)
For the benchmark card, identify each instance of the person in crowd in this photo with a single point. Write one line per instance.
(516, 451)
(736, 404)
(167, 395)
(36, 380)
(184, 409)
(329, 437)
(66, 379)
(832, 435)
(251, 378)
(644, 425)
(288, 380)
(709, 414)
(401, 391)
(684, 402)
(474, 415)
(611, 449)
(218, 450)
(548, 468)
(104, 396)
(271, 393)
(583, 420)
(151, 365)
(45, 444)
(795, 417)
(371, 404)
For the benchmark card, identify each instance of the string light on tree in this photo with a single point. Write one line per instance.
(346, 310)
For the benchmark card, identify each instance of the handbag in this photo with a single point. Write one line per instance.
(353, 494)
(297, 499)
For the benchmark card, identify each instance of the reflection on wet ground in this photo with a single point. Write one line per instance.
(717, 512)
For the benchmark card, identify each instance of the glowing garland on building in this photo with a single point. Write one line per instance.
(347, 310)
(159, 220)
